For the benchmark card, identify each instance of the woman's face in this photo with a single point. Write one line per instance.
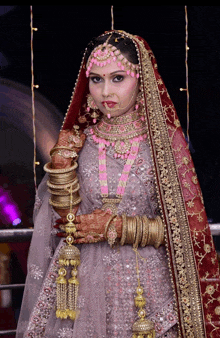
(113, 90)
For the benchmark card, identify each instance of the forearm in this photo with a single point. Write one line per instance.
(63, 182)
(64, 189)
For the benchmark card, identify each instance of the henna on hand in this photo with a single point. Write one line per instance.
(66, 139)
(91, 227)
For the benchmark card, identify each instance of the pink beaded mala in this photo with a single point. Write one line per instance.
(109, 204)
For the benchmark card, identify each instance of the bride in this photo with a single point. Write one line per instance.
(122, 177)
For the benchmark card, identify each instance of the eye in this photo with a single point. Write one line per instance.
(96, 79)
(118, 78)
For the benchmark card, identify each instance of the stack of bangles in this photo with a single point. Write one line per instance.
(60, 183)
(141, 230)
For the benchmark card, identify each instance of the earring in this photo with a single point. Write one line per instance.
(139, 105)
(139, 100)
(92, 105)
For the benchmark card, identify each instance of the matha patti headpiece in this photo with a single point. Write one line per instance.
(105, 53)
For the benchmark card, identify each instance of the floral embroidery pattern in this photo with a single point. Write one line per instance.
(45, 301)
(65, 333)
(35, 271)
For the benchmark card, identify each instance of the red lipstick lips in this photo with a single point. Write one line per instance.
(110, 104)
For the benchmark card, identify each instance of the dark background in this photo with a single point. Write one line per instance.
(64, 31)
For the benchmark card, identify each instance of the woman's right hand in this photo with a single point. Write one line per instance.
(70, 139)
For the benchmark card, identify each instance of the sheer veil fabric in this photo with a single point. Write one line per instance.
(190, 266)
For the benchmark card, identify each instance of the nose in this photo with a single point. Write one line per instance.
(106, 90)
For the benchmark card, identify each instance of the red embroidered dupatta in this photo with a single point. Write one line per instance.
(192, 258)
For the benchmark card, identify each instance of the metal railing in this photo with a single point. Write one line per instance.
(24, 235)
(15, 235)
(11, 236)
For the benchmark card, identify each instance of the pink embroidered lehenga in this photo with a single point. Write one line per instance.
(180, 279)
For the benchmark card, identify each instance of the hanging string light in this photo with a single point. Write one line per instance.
(187, 75)
(112, 17)
(33, 86)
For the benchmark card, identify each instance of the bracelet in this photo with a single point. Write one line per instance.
(62, 178)
(57, 148)
(62, 186)
(131, 230)
(124, 229)
(107, 225)
(63, 199)
(75, 138)
(128, 235)
(142, 231)
(64, 153)
(160, 237)
(62, 205)
(152, 231)
(138, 232)
(63, 192)
(48, 169)
(145, 235)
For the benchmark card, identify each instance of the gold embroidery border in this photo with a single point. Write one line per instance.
(172, 206)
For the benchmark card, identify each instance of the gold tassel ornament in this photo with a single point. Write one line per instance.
(61, 294)
(67, 291)
(142, 328)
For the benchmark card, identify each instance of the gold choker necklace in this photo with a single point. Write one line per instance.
(121, 128)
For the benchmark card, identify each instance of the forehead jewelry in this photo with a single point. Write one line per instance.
(106, 53)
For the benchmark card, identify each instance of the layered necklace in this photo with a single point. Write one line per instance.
(123, 134)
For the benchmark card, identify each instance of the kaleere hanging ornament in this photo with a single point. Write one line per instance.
(67, 291)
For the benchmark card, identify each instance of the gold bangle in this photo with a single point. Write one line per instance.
(134, 223)
(62, 182)
(124, 229)
(142, 229)
(64, 205)
(151, 228)
(48, 169)
(153, 231)
(145, 236)
(62, 186)
(131, 230)
(160, 237)
(63, 192)
(64, 198)
(58, 192)
(138, 232)
(62, 178)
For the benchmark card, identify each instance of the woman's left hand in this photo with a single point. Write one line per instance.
(91, 227)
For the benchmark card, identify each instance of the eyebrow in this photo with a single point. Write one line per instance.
(117, 71)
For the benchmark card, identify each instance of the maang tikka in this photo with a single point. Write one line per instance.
(106, 53)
